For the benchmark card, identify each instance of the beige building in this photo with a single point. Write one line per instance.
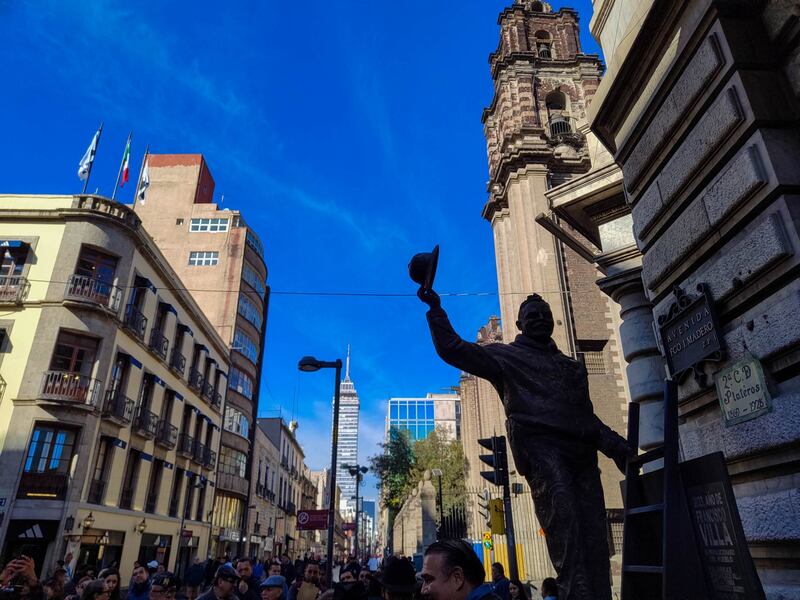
(699, 108)
(263, 483)
(221, 261)
(108, 449)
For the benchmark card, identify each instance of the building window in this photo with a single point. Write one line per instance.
(244, 344)
(203, 258)
(154, 485)
(175, 495)
(232, 461)
(249, 311)
(47, 463)
(96, 265)
(592, 354)
(252, 277)
(544, 43)
(236, 421)
(211, 225)
(102, 466)
(228, 512)
(201, 501)
(255, 243)
(241, 382)
(129, 479)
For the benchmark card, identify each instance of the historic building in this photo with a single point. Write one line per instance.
(220, 259)
(420, 416)
(263, 498)
(699, 107)
(537, 140)
(109, 445)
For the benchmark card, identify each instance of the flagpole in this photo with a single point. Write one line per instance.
(91, 161)
(139, 181)
(119, 173)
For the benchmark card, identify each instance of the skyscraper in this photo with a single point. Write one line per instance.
(347, 451)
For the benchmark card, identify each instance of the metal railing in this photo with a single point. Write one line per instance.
(146, 423)
(216, 401)
(543, 51)
(177, 361)
(81, 287)
(117, 407)
(68, 386)
(560, 126)
(13, 289)
(186, 445)
(159, 344)
(135, 321)
(50, 485)
(210, 458)
(196, 380)
(208, 391)
(167, 434)
(199, 453)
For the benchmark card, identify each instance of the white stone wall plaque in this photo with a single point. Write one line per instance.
(742, 391)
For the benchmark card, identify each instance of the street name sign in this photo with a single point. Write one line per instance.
(742, 391)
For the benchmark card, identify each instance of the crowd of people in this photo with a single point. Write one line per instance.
(451, 571)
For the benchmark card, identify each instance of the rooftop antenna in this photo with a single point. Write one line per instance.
(347, 365)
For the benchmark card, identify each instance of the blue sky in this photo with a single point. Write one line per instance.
(347, 133)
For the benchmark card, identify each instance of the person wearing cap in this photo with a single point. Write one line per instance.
(398, 579)
(274, 588)
(164, 586)
(223, 586)
(139, 588)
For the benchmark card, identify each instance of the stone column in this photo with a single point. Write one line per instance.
(645, 369)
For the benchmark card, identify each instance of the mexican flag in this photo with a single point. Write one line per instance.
(126, 159)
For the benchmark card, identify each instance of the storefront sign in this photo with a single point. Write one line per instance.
(255, 539)
(719, 537)
(227, 534)
(689, 333)
(312, 519)
(742, 392)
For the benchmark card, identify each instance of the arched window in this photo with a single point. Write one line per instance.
(544, 44)
(537, 7)
(557, 117)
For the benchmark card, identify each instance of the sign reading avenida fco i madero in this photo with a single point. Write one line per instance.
(690, 334)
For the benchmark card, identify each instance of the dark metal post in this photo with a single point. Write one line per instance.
(355, 537)
(334, 449)
(510, 540)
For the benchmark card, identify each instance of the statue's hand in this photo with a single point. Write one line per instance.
(429, 297)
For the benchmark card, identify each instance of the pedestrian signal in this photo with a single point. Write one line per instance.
(487, 540)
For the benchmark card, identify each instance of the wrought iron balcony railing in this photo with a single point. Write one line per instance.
(117, 407)
(208, 391)
(177, 361)
(68, 386)
(216, 401)
(196, 380)
(167, 434)
(159, 344)
(135, 321)
(186, 445)
(199, 453)
(81, 287)
(13, 289)
(146, 423)
(209, 458)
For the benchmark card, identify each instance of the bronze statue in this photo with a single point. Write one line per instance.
(552, 430)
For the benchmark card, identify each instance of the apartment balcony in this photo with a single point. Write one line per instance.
(186, 445)
(209, 459)
(70, 387)
(177, 361)
(117, 407)
(96, 291)
(199, 453)
(196, 380)
(563, 129)
(216, 401)
(208, 391)
(167, 434)
(135, 321)
(159, 344)
(146, 423)
(291, 509)
(49, 485)
(13, 289)
(97, 490)
(271, 496)
(232, 483)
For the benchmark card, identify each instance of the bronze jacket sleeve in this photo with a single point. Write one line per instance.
(469, 357)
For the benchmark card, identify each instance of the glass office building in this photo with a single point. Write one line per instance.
(420, 416)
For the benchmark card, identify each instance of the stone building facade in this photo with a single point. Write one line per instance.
(108, 449)
(221, 260)
(538, 139)
(699, 107)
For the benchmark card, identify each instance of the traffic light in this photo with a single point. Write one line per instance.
(498, 460)
(497, 514)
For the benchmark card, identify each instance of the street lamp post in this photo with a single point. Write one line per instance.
(309, 364)
(438, 474)
(358, 472)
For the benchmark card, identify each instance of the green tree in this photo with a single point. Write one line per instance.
(393, 469)
(438, 451)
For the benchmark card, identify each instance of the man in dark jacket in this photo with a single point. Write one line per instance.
(140, 584)
(195, 575)
(452, 571)
(248, 587)
(223, 586)
(554, 437)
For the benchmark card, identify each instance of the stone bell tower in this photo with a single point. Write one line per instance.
(535, 137)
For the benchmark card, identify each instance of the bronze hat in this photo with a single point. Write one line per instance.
(422, 268)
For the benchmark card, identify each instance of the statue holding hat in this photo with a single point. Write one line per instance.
(553, 432)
